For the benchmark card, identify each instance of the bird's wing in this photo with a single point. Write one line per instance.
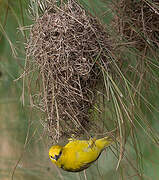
(79, 155)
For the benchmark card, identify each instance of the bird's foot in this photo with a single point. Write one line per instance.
(72, 137)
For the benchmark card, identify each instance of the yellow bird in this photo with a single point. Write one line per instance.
(78, 155)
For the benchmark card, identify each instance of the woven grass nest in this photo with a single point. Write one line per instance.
(137, 22)
(67, 48)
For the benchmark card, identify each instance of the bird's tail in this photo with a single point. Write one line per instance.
(104, 142)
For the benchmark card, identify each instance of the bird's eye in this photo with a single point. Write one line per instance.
(56, 157)
(52, 157)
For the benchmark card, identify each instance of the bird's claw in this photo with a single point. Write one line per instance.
(72, 138)
(91, 142)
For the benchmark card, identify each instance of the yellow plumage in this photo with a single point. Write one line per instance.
(78, 155)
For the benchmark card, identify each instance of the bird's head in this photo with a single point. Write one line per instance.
(55, 153)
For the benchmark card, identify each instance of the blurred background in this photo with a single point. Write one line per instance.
(24, 142)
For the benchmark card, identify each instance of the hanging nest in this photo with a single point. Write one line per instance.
(137, 22)
(67, 47)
